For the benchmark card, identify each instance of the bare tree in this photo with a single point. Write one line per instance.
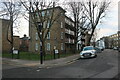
(36, 18)
(10, 10)
(80, 20)
(95, 36)
(95, 11)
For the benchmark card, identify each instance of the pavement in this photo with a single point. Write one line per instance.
(47, 63)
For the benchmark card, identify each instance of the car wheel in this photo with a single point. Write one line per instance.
(95, 56)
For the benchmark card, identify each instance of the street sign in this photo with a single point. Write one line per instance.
(56, 51)
(15, 51)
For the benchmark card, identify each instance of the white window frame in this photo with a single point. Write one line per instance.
(36, 36)
(62, 35)
(44, 24)
(48, 46)
(48, 12)
(61, 24)
(48, 35)
(36, 46)
(43, 13)
(48, 24)
(62, 46)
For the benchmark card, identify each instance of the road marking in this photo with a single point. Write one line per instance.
(70, 62)
(48, 67)
(38, 70)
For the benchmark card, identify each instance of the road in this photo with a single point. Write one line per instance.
(105, 65)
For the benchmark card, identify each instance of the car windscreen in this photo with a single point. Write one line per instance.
(88, 48)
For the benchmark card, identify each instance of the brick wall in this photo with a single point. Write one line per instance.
(16, 43)
(5, 44)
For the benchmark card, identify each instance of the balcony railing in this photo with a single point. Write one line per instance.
(69, 22)
(69, 32)
(69, 40)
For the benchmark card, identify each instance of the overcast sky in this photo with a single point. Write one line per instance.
(108, 26)
(110, 23)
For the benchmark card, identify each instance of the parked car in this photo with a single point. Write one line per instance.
(98, 50)
(88, 52)
(115, 48)
(119, 49)
(102, 48)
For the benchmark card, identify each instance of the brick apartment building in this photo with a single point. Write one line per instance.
(84, 40)
(5, 43)
(61, 35)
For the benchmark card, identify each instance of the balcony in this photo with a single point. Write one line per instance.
(70, 41)
(69, 32)
(67, 21)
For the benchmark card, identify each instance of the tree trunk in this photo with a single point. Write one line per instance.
(43, 49)
(89, 39)
(11, 29)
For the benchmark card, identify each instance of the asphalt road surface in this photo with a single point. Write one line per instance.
(105, 65)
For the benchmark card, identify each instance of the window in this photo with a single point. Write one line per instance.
(48, 24)
(61, 35)
(36, 46)
(73, 24)
(65, 20)
(88, 48)
(43, 13)
(36, 36)
(37, 14)
(40, 25)
(69, 23)
(48, 46)
(48, 35)
(44, 24)
(62, 46)
(62, 13)
(61, 25)
(48, 13)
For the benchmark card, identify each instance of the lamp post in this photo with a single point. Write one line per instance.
(41, 53)
(54, 51)
(40, 26)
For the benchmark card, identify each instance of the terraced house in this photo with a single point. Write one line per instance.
(61, 35)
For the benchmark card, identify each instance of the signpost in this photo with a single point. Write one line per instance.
(56, 51)
(16, 52)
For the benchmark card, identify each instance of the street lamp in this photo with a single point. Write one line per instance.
(40, 26)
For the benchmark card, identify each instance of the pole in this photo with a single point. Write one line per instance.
(54, 53)
(12, 52)
(40, 26)
(41, 54)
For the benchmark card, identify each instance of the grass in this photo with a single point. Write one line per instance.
(34, 56)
